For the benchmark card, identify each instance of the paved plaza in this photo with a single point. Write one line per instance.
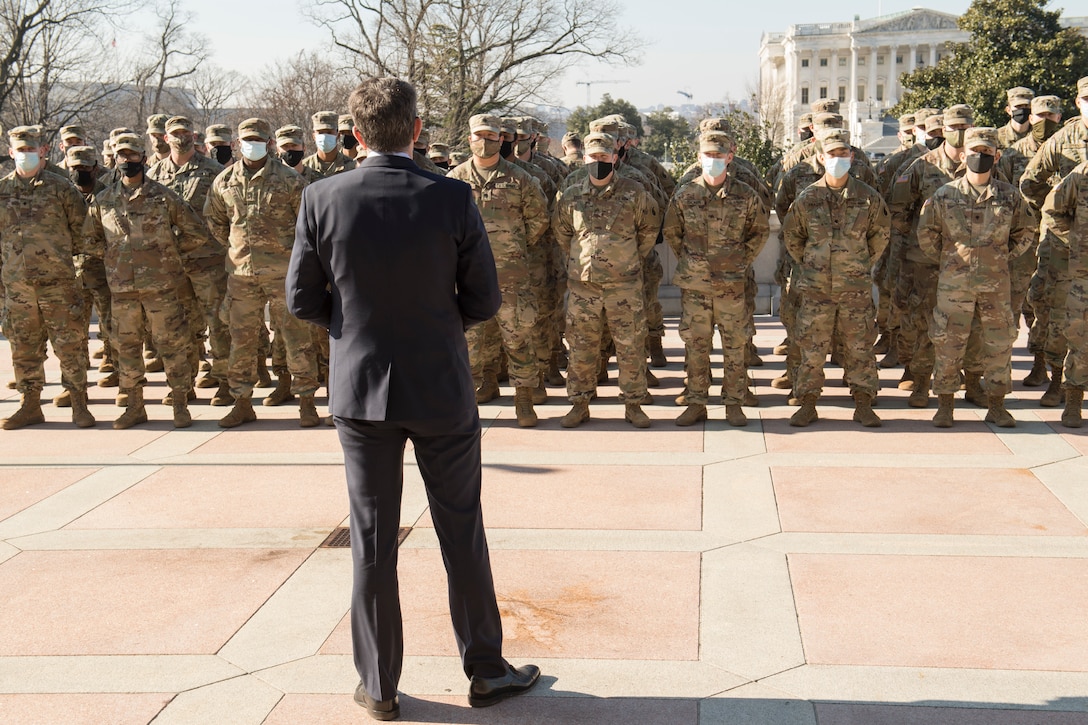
(764, 575)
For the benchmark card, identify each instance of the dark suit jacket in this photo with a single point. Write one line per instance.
(396, 263)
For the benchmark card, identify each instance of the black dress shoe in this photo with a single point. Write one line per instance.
(486, 691)
(377, 709)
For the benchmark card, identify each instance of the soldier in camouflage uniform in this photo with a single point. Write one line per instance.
(156, 136)
(152, 242)
(605, 226)
(572, 150)
(1054, 160)
(220, 143)
(70, 136)
(350, 145)
(716, 227)
(836, 231)
(419, 153)
(252, 208)
(1019, 110)
(515, 214)
(41, 215)
(328, 159)
(439, 154)
(972, 228)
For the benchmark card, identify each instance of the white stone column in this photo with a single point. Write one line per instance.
(853, 94)
(913, 57)
(891, 93)
(791, 88)
(932, 55)
(871, 89)
(833, 81)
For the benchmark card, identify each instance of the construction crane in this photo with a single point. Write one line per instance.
(589, 86)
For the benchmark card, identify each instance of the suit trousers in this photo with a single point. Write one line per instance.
(448, 455)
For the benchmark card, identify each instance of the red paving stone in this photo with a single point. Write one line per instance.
(81, 709)
(102, 442)
(23, 487)
(269, 435)
(605, 432)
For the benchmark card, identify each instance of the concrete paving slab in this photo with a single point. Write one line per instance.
(112, 673)
(738, 502)
(755, 704)
(865, 714)
(124, 539)
(23, 487)
(240, 701)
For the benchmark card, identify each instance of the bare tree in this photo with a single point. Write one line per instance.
(290, 91)
(212, 88)
(466, 56)
(769, 102)
(174, 54)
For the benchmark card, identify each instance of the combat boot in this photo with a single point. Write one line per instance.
(997, 414)
(523, 407)
(919, 397)
(1071, 417)
(946, 402)
(242, 412)
(657, 353)
(751, 356)
(489, 388)
(906, 382)
(577, 415)
(99, 353)
(632, 413)
(881, 346)
(692, 415)
(750, 398)
(106, 366)
(1053, 396)
(602, 371)
(81, 416)
(735, 417)
(807, 414)
(554, 377)
(110, 381)
(863, 411)
(973, 392)
(307, 412)
(651, 379)
(121, 401)
(168, 399)
(1037, 377)
(182, 418)
(540, 392)
(63, 399)
(783, 347)
(29, 412)
(682, 398)
(154, 365)
(782, 382)
(135, 412)
(891, 354)
(264, 380)
(223, 395)
(282, 393)
(207, 381)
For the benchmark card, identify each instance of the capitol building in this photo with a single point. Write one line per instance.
(858, 62)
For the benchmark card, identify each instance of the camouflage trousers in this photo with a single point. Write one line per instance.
(511, 329)
(248, 296)
(1076, 359)
(699, 313)
(1058, 286)
(542, 288)
(209, 290)
(917, 293)
(37, 313)
(1037, 298)
(1021, 271)
(587, 305)
(852, 317)
(166, 320)
(96, 296)
(956, 314)
(275, 346)
(652, 274)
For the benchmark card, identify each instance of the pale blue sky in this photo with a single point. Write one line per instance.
(708, 48)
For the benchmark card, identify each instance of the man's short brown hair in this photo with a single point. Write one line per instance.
(384, 110)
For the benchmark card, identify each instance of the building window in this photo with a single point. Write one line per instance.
(861, 93)
(880, 60)
(842, 94)
(899, 60)
(940, 55)
(804, 95)
(823, 62)
(842, 62)
(920, 60)
(804, 62)
(861, 61)
(879, 91)
(823, 91)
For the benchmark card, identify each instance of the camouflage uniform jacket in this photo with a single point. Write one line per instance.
(1015, 159)
(41, 228)
(253, 213)
(740, 172)
(148, 237)
(656, 171)
(912, 187)
(342, 162)
(1007, 135)
(1057, 157)
(82, 259)
(809, 172)
(514, 211)
(421, 161)
(888, 169)
(605, 232)
(192, 181)
(579, 177)
(716, 235)
(547, 186)
(973, 235)
(573, 161)
(836, 236)
(550, 167)
(808, 149)
(1065, 214)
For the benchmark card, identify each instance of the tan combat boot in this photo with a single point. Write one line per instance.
(751, 356)
(891, 354)
(881, 346)
(154, 365)
(632, 413)
(651, 379)
(735, 417)
(223, 395)
(863, 411)
(282, 393)
(750, 398)
(106, 366)
(578, 414)
(553, 376)
(81, 416)
(946, 402)
(307, 412)
(807, 414)
(110, 381)
(29, 412)
(242, 412)
(523, 407)
(540, 392)
(919, 396)
(997, 414)
(782, 382)
(602, 371)
(1071, 417)
(182, 418)
(973, 392)
(63, 399)
(489, 388)
(783, 347)
(692, 414)
(134, 411)
(207, 381)
(906, 382)
(1053, 396)
(168, 399)
(657, 353)
(264, 380)
(1037, 377)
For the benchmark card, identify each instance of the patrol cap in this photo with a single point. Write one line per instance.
(617, 117)
(157, 123)
(80, 156)
(720, 124)
(217, 132)
(509, 126)
(906, 122)
(805, 121)
(825, 105)
(438, 151)
(959, 113)
(458, 157)
(28, 134)
(524, 125)
(290, 134)
(326, 120)
(835, 138)
(1082, 87)
(345, 123)
(1019, 96)
(255, 127)
(923, 114)
(572, 136)
(823, 121)
(608, 125)
(542, 127)
(121, 130)
(1046, 104)
(599, 143)
(980, 136)
(715, 141)
(485, 122)
(107, 147)
(424, 137)
(179, 123)
(73, 131)
(935, 122)
(129, 142)
(626, 131)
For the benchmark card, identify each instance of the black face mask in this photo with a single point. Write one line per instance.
(599, 169)
(1044, 129)
(223, 154)
(292, 158)
(1021, 115)
(442, 164)
(82, 177)
(506, 149)
(933, 142)
(348, 141)
(132, 169)
(621, 153)
(806, 134)
(980, 163)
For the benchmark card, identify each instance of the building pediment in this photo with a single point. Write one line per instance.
(909, 21)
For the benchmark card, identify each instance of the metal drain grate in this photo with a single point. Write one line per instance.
(340, 538)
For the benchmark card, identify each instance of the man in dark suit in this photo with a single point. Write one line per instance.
(395, 262)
